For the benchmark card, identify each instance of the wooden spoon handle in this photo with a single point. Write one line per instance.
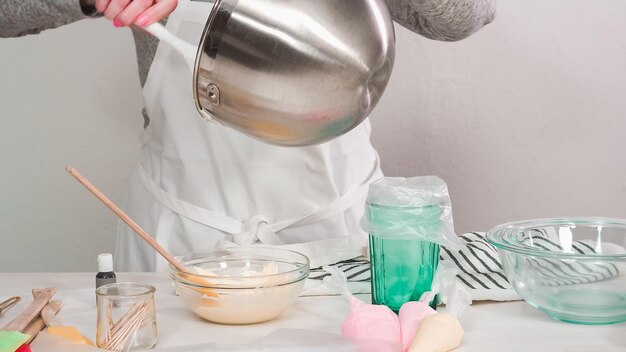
(132, 224)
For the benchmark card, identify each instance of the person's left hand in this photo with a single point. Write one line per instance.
(138, 12)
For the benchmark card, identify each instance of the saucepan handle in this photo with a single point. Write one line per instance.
(187, 50)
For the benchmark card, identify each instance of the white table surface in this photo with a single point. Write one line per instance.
(489, 326)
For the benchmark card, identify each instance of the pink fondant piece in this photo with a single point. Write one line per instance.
(411, 315)
(370, 321)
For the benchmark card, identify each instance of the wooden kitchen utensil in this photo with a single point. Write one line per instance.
(187, 273)
(31, 312)
(38, 324)
(130, 222)
(7, 304)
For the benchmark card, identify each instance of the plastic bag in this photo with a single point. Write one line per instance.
(417, 207)
(451, 293)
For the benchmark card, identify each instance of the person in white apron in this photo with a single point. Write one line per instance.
(199, 183)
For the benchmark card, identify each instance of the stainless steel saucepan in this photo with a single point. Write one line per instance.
(290, 72)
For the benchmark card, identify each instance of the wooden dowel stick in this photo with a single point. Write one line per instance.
(130, 222)
(31, 312)
(38, 324)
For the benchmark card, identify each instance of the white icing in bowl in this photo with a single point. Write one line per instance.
(241, 285)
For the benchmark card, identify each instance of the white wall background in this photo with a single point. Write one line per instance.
(524, 119)
(65, 101)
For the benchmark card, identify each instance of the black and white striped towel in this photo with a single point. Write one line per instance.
(357, 272)
(480, 269)
(551, 272)
(478, 263)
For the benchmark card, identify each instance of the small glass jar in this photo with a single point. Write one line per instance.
(126, 317)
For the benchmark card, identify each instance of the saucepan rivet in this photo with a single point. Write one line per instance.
(214, 94)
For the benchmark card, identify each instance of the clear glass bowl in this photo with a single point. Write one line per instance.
(240, 285)
(573, 269)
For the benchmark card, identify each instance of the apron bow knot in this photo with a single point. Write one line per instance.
(256, 228)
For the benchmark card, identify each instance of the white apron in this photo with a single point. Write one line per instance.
(200, 183)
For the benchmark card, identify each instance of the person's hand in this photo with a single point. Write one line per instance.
(138, 12)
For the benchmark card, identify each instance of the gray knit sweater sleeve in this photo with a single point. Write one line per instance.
(445, 20)
(21, 17)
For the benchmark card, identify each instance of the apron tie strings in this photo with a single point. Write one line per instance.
(256, 228)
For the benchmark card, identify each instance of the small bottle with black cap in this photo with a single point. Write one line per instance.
(105, 273)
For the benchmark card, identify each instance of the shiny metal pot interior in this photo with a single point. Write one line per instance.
(293, 72)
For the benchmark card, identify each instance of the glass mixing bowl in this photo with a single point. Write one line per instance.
(240, 285)
(573, 269)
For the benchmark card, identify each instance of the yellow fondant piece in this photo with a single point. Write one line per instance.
(69, 333)
(439, 332)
